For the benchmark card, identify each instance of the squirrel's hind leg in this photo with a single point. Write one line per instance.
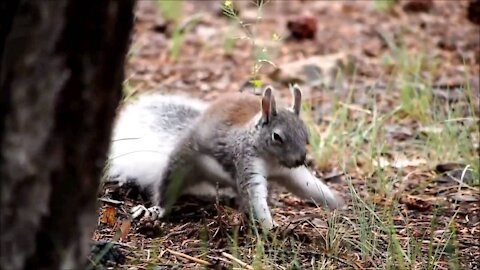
(151, 213)
(156, 211)
(176, 178)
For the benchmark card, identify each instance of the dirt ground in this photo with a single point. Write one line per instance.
(358, 40)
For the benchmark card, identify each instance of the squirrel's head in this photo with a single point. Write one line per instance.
(283, 135)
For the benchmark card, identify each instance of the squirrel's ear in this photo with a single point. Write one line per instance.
(297, 99)
(268, 105)
(273, 105)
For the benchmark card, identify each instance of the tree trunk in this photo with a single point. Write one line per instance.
(61, 70)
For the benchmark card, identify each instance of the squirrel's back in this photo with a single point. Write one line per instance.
(235, 109)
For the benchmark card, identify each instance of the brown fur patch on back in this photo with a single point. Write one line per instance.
(235, 109)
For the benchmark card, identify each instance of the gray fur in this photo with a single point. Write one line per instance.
(209, 152)
(172, 118)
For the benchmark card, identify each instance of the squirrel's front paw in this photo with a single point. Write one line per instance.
(268, 224)
(152, 213)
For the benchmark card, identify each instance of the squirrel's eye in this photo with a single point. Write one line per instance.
(276, 137)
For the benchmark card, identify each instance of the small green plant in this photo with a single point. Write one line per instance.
(384, 5)
(179, 33)
(228, 45)
(260, 53)
(170, 9)
(128, 91)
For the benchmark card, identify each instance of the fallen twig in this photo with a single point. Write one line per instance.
(124, 245)
(111, 201)
(231, 257)
(190, 258)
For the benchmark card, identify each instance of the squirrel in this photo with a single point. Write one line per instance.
(233, 146)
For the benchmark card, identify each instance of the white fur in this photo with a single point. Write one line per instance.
(258, 193)
(137, 151)
(301, 182)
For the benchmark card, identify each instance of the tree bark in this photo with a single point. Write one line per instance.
(61, 70)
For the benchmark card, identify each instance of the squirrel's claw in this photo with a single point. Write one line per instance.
(151, 213)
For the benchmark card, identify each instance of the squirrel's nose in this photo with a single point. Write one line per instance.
(301, 160)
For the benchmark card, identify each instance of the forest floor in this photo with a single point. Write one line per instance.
(392, 103)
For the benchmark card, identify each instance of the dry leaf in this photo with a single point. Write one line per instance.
(418, 5)
(398, 132)
(434, 130)
(399, 162)
(449, 166)
(125, 228)
(303, 26)
(415, 203)
(462, 197)
(322, 68)
(108, 215)
(291, 201)
(381, 162)
(453, 172)
(402, 163)
(473, 12)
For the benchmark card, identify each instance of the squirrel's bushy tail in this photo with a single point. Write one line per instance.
(145, 134)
